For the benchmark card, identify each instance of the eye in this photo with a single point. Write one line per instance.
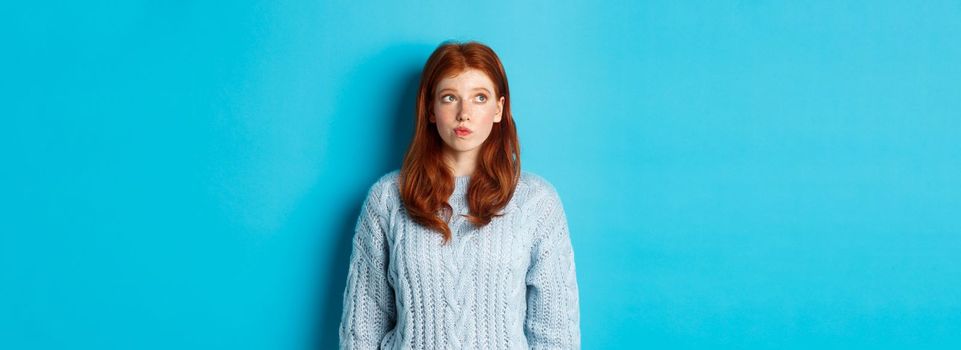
(481, 98)
(447, 98)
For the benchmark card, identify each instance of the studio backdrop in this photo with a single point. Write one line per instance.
(736, 174)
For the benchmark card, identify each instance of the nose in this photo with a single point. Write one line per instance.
(464, 113)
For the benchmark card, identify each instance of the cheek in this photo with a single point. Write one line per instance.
(443, 114)
(490, 113)
(487, 124)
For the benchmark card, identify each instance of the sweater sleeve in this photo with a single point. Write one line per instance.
(553, 312)
(369, 312)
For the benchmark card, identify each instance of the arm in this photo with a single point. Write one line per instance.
(553, 316)
(369, 310)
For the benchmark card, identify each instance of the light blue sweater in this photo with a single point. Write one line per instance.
(508, 285)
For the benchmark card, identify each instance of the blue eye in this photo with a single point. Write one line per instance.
(447, 98)
(481, 98)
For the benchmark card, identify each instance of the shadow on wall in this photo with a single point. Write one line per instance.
(384, 84)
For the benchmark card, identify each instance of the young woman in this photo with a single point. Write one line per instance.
(459, 248)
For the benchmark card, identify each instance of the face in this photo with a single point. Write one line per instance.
(464, 109)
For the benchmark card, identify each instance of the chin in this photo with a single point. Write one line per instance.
(462, 148)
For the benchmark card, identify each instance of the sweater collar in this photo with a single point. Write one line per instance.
(461, 183)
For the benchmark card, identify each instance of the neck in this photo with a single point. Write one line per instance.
(462, 163)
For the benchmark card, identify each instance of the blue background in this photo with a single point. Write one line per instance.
(743, 174)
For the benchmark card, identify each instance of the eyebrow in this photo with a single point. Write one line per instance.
(474, 89)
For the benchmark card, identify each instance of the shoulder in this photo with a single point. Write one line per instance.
(384, 191)
(387, 181)
(535, 180)
(536, 189)
(541, 206)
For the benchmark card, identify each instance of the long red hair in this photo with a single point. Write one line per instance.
(426, 181)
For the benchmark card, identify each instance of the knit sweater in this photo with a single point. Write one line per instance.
(508, 285)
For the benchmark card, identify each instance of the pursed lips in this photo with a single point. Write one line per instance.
(462, 131)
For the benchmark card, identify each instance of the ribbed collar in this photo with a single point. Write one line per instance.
(460, 184)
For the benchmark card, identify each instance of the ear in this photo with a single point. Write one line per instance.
(500, 110)
(430, 116)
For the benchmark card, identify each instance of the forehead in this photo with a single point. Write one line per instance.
(467, 80)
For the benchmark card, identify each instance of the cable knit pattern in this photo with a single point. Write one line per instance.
(508, 285)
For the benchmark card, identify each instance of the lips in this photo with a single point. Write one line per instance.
(462, 131)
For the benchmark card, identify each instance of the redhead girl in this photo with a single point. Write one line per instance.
(460, 248)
